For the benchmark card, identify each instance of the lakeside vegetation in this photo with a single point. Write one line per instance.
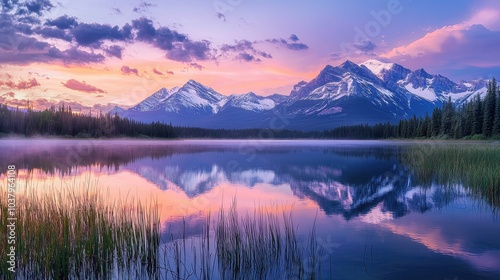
(261, 245)
(74, 232)
(475, 167)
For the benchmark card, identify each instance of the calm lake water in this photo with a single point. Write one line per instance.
(373, 220)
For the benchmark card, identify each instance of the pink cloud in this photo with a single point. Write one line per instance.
(9, 94)
(129, 71)
(82, 86)
(453, 47)
(432, 42)
(471, 43)
(490, 18)
(21, 85)
(196, 65)
(157, 72)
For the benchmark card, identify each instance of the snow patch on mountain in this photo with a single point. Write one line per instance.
(190, 98)
(260, 105)
(193, 97)
(331, 111)
(151, 103)
(251, 102)
(425, 93)
(377, 67)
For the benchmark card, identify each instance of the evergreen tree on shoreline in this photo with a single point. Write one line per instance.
(496, 123)
(489, 108)
(477, 123)
(447, 117)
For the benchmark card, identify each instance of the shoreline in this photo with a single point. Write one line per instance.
(262, 140)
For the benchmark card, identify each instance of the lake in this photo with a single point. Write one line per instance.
(371, 217)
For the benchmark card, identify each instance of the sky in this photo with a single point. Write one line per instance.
(101, 54)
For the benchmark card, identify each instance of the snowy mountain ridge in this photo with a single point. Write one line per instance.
(350, 93)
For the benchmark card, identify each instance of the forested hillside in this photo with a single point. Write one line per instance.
(477, 119)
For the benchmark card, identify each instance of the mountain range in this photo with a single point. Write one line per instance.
(367, 93)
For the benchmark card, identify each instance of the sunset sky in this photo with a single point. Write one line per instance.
(104, 53)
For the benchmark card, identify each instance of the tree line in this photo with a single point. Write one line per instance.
(63, 122)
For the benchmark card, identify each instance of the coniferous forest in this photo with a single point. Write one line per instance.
(477, 119)
(63, 122)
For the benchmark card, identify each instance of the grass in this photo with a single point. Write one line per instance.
(75, 232)
(261, 245)
(67, 234)
(475, 166)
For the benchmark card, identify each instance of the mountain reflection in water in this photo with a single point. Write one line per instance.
(366, 197)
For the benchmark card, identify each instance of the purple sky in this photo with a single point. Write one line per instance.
(119, 52)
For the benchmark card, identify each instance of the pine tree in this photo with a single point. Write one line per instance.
(421, 128)
(447, 117)
(489, 108)
(457, 127)
(468, 116)
(436, 122)
(477, 115)
(496, 122)
(427, 125)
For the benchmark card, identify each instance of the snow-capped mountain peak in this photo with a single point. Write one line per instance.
(152, 102)
(349, 65)
(331, 74)
(377, 67)
(193, 83)
(193, 97)
(250, 102)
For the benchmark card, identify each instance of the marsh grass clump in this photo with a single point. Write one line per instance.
(263, 245)
(250, 247)
(476, 167)
(74, 232)
(260, 245)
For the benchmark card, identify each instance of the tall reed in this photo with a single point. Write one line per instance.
(260, 245)
(73, 232)
(476, 167)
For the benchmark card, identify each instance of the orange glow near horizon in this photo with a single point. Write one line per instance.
(126, 90)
